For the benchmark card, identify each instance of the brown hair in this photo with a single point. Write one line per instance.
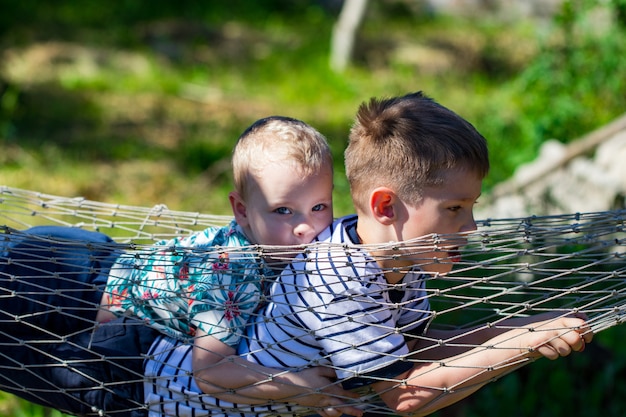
(405, 143)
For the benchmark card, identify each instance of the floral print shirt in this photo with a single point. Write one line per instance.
(209, 280)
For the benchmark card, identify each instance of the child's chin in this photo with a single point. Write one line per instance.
(441, 268)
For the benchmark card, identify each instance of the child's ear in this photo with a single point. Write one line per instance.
(382, 202)
(238, 206)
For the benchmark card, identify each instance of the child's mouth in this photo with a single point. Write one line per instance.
(454, 255)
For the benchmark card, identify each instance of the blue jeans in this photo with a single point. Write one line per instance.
(51, 279)
(51, 351)
(105, 369)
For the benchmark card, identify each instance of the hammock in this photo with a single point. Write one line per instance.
(510, 268)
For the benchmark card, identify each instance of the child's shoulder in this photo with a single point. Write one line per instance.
(230, 235)
(339, 231)
(337, 248)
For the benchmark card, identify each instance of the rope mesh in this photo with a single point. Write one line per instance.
(509, 269)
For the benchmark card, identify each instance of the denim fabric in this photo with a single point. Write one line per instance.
(51, 351)
(51, 279)
(97, 372)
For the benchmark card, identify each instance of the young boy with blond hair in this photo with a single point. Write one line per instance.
(202, 288)
(283, 179)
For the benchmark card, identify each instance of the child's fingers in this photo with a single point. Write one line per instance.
(339, 411)
(329, 412)
(576, 337)
(581, 328)
(588, 336)
(555, 348)
(548, 351)
(351, 411)
(574, 340)
(567, 335)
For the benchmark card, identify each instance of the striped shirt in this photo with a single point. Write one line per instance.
(170, 389)
(332, 306)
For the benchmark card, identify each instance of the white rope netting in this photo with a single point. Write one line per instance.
(510, 268)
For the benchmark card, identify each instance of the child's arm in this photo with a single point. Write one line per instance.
(431, 386)
(463, 339)
(222, 374)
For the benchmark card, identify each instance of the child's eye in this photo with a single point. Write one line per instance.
(454, 208)
(282, 210)
(318, 207)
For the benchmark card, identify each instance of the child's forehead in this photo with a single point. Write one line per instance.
(286, 161)
(274, 161)
(274, 173)
(456, 184)
(448, 175)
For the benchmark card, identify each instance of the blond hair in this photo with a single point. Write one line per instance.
(406, 143)
(279, 139)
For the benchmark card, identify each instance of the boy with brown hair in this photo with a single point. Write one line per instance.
(415, 170)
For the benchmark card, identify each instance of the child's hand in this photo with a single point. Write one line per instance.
(329, 399)
(556, 337)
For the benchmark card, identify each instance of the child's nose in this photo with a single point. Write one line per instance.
(304, 231)
(470, 225)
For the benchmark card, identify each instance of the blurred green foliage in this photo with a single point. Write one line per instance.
(141, 102)
(155, 68)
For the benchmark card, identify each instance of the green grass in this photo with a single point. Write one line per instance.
(11, 406)
(176, 93)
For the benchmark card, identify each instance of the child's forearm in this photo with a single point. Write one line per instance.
(236, 380)
(222, 374)
(438, 344)
(432, 385)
